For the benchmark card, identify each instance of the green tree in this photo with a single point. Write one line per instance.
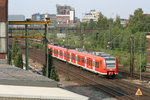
(91, 24)
(50, 62)
(84, 24)
(137, 21)
(117, 22)
(14, 48)
(102, 22)
(18, 61)
(54, 74)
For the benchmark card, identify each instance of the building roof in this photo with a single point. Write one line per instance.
(15, 76)
(26, 92)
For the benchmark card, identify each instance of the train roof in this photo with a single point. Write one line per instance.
(84, 52)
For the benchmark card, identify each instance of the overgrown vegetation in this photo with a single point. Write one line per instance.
(36, 45)
(15, 55)
(115, 39)
(52, 71)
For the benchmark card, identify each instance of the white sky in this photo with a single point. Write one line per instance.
(110, 8)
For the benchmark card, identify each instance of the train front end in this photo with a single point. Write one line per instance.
(111, 64)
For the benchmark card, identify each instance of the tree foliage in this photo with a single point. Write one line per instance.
(102, 22)
(54, 74)
(52, 71)
(14, 48)
(139, 22)
(18, 61)
(117, 37)
(16, 55)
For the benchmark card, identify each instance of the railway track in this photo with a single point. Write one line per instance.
(117, 88)
(136, 75)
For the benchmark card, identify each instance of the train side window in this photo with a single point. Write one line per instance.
(72, 57)
(78, 59)
(87, 61)
(91, 63)
(82, 60)
(97, 64)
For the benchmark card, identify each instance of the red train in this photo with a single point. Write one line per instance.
(107, 65)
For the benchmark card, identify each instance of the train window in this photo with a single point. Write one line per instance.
(78, 59)
(82, 60)
(72, 57)
(61, 53)
(87, 62)
(68, 56)
(91, 62)
(97, 64)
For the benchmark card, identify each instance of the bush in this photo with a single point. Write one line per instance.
(54, 74)
(18, 61)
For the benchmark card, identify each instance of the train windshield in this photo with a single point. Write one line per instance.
(110, 62)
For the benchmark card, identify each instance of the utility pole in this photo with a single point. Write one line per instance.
(110, 35)
(67, 55)
(46, 47)
(131, 55)
(46, 50)
(27, 45)
(140, 51)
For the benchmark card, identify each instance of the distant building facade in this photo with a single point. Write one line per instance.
(42, 17)
(16, 18)
(36, 17)
(91, 15)
(65, 15)
(123, 22)
(77, 20)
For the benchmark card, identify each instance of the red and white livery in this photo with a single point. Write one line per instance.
(107, 66)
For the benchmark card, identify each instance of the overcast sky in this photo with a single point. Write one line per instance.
(110, 8)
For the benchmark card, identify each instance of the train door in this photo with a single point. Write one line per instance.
(68, 56)
(73, 56)
(55, 52)
(97, 65)
(61, 54)
(90, 63)
(83, 61)
(79, 60)
(65, 55)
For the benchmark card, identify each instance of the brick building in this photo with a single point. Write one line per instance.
(3, 31)
(65, 15)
